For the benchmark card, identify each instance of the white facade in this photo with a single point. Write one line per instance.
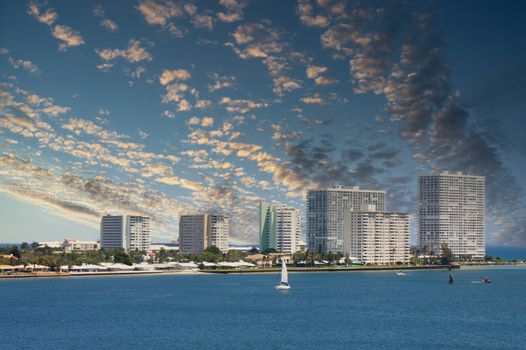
(218, 228)
(452, 211)
(325, 211)
(288, 229)
(377, 238)
(138, 233)
(131, 232)
(197, 232)
(73, 245)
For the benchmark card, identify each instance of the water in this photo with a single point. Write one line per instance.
(508, 253)
(361, 310)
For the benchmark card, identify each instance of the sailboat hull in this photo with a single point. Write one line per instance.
(282, 287)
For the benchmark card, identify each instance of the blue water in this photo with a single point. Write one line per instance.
(360, 310)
(508, 253)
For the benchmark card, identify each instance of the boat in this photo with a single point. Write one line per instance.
(486, 280)
(400, 274)
(284, 283)
(450, 280)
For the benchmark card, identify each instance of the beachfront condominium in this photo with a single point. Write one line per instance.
(198, 232)
(279, 228)
(130, 232)
(326, 209)
(451, 211)
(376, 238)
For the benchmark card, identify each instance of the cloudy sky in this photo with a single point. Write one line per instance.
(165, 107)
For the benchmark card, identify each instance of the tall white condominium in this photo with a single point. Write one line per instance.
(138, 233)
(325, 211)
(377, 238)
(198, 232)
(288, 230)
(279, 227)
(131, 232)
(451, 211)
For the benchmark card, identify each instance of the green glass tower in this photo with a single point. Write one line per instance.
(267, 226)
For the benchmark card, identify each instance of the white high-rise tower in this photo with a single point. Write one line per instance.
(452, 211)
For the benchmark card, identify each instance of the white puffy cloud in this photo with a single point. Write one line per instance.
(48, 17)
(133, 54)
(68, 35)
(170, 75)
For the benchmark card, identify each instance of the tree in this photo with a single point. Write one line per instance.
(254, 250)
(213, 250)
(299, 256)
(120, 256)
(34, 245)
(15, 252)
(24, 246)
(268, 251)
(447, 255)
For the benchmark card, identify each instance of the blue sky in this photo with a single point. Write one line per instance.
(163, 108)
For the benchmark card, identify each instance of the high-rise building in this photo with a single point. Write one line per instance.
(131, 232)
(452, 211)
(198, 232)
(113, 232)
(137, 233)
(325, 211)
(279, 228)
(376, 238)
(217, 231)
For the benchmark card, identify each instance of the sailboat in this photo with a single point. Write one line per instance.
(284, 284)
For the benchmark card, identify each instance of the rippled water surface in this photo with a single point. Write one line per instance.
(356, 310)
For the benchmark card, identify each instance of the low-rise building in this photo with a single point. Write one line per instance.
(73, 245)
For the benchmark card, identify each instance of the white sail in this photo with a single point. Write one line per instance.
(284, 274)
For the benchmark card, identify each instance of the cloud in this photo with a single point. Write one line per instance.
(203, 21)
(172, 180)
(315, 99)
(262, 41)
(170, 75)
(204, 122)
(220, 82)
(109, 25)
(27, 65)
(133, 54)
(240, 105)
(315, 71)
(55, 110)
(305, 13)
(48, 17)
(234, 10)
(68, 35)
(158, 13)
(325, 81)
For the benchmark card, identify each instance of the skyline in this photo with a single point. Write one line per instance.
(108, 107)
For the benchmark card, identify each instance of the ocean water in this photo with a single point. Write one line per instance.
(341, 310)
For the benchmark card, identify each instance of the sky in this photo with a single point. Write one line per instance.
(163, 108)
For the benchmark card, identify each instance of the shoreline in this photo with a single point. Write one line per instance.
(224, 272)
(246, 271)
